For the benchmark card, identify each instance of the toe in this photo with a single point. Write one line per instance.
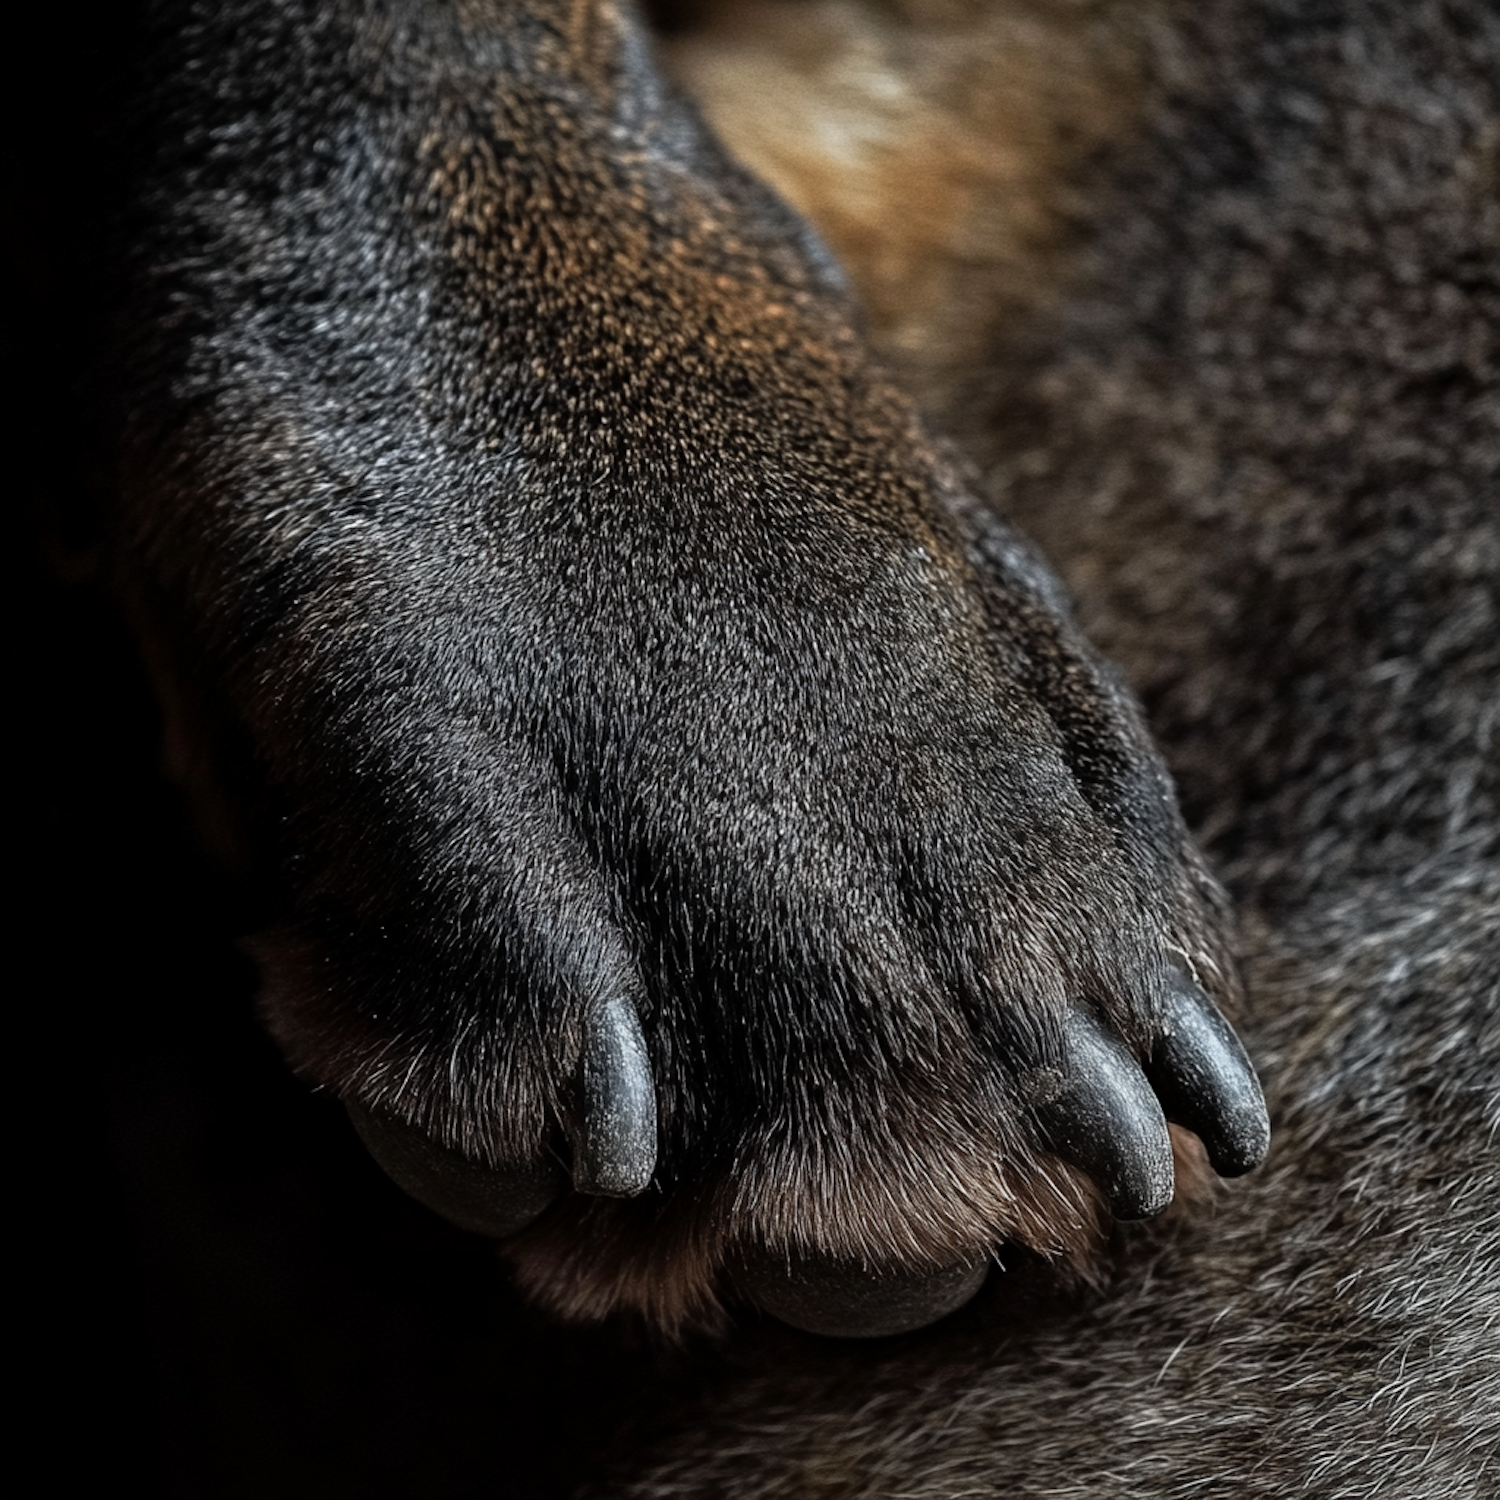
(1205, 1081)
(1106, 1120)
(614, 1142)
(484, 1200)
(838, 1300)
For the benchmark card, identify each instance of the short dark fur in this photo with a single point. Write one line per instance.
(569, 609)
(1263, 442)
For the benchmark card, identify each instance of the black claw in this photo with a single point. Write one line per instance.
(1107, 1121)
(1205, 1081)
(614, 1147)
(848, 1302)
(480, 1199)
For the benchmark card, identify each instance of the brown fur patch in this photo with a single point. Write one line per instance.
(921, 1212)
(965, 116)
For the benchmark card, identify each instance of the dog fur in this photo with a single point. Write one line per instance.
(1243, 385)
(1257, 425)
(583, 631)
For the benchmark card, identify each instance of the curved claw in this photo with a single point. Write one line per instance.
(1107, 1121)
(1205, 1082)
(614, 1146)
(480, 1199)
(849, 1302)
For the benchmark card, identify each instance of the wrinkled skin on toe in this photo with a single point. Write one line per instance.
(705, 840)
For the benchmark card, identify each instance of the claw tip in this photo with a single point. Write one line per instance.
(615, 1143)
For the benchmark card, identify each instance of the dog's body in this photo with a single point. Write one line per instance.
(1248, 418)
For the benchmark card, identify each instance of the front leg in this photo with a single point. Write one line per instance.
(709, 852)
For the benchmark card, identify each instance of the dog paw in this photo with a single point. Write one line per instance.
(811, 942)
(711, 858)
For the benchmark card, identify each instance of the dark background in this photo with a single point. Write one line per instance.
(220, 1294)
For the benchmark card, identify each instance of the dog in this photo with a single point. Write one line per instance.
(1221, 338)
(706, 854)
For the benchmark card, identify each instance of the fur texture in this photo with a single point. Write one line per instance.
(570, 611)
(1258, 427)
(257, 1312)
